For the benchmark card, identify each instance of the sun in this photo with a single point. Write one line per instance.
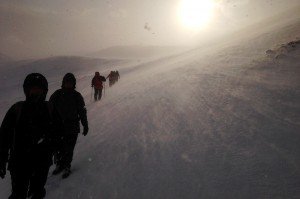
(195, 14)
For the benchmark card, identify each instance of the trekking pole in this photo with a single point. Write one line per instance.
(104, 90)
(92, 94)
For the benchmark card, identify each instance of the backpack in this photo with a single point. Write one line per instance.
(97, 82)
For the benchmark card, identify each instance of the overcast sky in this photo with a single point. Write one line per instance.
(41, 28)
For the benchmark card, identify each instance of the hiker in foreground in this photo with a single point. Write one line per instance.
(71, 107)
(97, 83)
(27, 140)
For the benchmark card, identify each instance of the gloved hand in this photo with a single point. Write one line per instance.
(55, 158)
(2, 169)
(85, 130)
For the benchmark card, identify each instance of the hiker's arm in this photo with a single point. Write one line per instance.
(6, 136)
(53, 98)
(82, 111)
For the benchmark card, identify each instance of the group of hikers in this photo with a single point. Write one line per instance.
(36, 133)
(113, 77)
(97, 83)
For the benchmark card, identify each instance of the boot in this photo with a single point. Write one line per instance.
(39, 195)
(57, 170)
(66, 173)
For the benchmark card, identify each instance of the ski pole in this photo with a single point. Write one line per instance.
(104, 90)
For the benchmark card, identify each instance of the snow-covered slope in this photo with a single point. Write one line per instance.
(219, 122)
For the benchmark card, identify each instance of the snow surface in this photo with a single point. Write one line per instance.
(217, 122)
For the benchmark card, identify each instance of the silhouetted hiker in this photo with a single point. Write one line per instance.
(117, 75)
(113, 77)
(110, 77)
(71, 107)
(97, 83)
(27, 140)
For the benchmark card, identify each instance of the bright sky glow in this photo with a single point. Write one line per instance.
(38, 29)
(195, 14)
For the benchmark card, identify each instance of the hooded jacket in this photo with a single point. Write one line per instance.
(28, 133)
(70, 105)
(97, 81)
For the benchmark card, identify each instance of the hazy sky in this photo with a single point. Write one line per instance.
(41, 28)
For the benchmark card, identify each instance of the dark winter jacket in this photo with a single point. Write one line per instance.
(28, 134)
(97, 81)
(71, 107)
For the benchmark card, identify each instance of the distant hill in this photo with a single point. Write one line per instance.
(4, 58)
(138, 52)
(68, 62)
(61, 64)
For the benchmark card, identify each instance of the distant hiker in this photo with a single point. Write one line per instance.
(97, 83)
(27, 140)
(117, 75)
(113, 77)
(71, 107)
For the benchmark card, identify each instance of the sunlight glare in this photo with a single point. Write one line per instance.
(195, 14)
